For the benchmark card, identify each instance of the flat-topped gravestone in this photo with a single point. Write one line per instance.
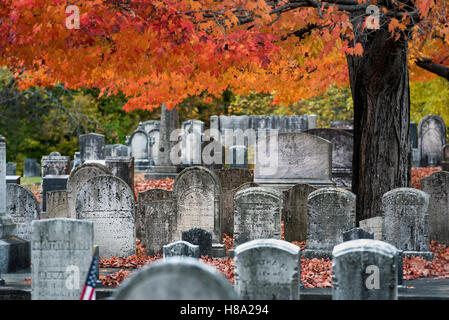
(52, 183)
(55, 164)
(238, 157)
(197, 191)
(445, 162)
(61, 253)
(13, 179)
(108, 202)
(257, 214)
(365, 269)
(11, 169)
(122, 167)
(230, 180)
(31, 168)
(116, 150)
(181, 248)
(331, 211)
(155, 219)
(287, 159)
(294, 213)
(373, 225)
(431, 138)
(77, 177)
(176, 278)
(57, 204)
(357, 233)
(406, 221)
(92, 147)
(267, 269)
(23, 208)
(342, 149)
(437, 187)
(201, 238)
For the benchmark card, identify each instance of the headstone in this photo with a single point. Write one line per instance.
(414, 135)
(342, 149)
(108, 202)
(257, 214)
(267, 269)
(331, 211)
(294, 213)
(287, 159)
(149, 125)
(445, 162)
(11, 169)
(139, 147)
(181, 248)
(155, 219)
(239, 157)
(56, 204)
(76, 160)
(197, 191)
(201, 238)
(373, 225)
(437, 187)
(191, 139)
(230, 180)
(13, 179)
(356, 234)
(61, 253)
(31, 168)
(55, 164)
(52, 183)
(154, 137)
(213, 154)
(406, 221)
(77, 177)
(364, 269)
(92, 147)
(122, 167)
(116, 150)
(431, 138)
(176, 278)
(22, 206)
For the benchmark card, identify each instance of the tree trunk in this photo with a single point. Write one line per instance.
(380, 90)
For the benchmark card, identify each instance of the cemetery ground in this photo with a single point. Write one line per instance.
(421, 279)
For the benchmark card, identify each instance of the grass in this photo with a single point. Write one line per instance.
(30, 181)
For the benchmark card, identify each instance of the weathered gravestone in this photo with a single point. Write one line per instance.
(57, 204)
(116, 150)
(77, 177)
(267, 269)
(213, 153)
(294, 212)
(432, 137)
(92, 147)
(11, 169)
(197, 192)
(201, 238)
(365, 269)
(155, 219)
(139, 147)
(257, 214)
(122, 167)
(287, 159)
(331, 211)
(437, 187)
(445, 162)
(181, 248)
(108, 202)
(373, 225)
(406, 221)
(238, 157)
(31, 168)
(342, 149)
(176, 278)
(55, 164)
(76, 160)
(191, 139)
(356, 234)
(61, 253)
(230, 180)
(22, 206)
(52, 183)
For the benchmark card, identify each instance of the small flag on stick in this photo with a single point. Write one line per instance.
(91, 281)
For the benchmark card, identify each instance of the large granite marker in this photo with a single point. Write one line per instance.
(432, 137)
(92, 147)
(61, 253)
(31, 168)
(55, 164)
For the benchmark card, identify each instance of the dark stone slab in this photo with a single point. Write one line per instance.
(201, 238)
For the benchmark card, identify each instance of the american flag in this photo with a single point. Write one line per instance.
(91, 281)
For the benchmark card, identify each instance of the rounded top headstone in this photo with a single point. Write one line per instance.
(55, 154)
(267, 243)
(365, 245)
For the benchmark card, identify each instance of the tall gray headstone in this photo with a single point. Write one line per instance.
(11, 169)
(364, 269)
(445, 162)
(197, 192)
(431, 138)
(191, 139)
(122, 167)
(55, 164)
(155, 219)
(61, 253)
(257, 214)
(23, 208)
(267, 269)
(406, 221)
(108, 202)
(57, 204)
(31, 168)
(154, 137)
(92, 147)
(294, 213)
(437, 187)
(331, 211)
(139, 148)
(176, 278)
